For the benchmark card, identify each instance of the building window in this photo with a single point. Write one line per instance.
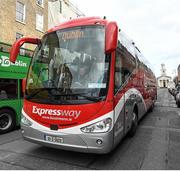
(18, 36)
(39, 2)
(22, 50)
(20, 11)
(39, 22)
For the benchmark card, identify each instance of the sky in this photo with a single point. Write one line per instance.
(154, 26)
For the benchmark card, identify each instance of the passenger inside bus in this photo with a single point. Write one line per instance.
(98, 70)
(84, 70)
(91, 70)
(3, 95)
(64, 77)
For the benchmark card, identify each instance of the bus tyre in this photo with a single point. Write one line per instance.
(151, 108)
(7, 120)
(178, 104)
(134, 125)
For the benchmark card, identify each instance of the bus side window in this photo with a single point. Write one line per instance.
(8, 89)
(21, 90)
(118, 72)
(3, 95)
(125, 64)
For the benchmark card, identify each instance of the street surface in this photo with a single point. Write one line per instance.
(156, 145)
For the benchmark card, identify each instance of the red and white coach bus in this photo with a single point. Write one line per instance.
(87, 87)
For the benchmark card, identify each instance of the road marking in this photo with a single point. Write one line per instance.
(161, 128)
(173, 106)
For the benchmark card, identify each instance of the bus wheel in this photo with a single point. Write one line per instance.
(178, 104)
(151, 108)
(7, 120)
(134, 125)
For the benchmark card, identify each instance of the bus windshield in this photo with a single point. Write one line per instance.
(70, 66)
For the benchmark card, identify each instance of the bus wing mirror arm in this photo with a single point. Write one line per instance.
(17, 45)
(24, 85)
(111, 37)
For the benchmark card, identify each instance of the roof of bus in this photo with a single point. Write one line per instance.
(79, 22)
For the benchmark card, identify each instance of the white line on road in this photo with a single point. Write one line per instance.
(161, 128)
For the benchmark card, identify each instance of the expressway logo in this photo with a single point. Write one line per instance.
(53, 112)
(5, 62)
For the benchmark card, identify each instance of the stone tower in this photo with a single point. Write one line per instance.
(163, 70)
(163, 80)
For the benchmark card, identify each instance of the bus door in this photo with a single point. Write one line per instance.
(129, 85)
(128, 108)
(119, 116)
(119, 100)
(125, 65)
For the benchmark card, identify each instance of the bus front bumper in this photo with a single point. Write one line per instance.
(89, 143)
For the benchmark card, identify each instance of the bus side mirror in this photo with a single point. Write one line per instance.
(17, 45)
(111, 37)
(24, 85)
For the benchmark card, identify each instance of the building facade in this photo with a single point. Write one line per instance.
(20, 18)
(60, 11)
(163, 80)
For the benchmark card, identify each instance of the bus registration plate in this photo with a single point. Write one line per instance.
(54, 139)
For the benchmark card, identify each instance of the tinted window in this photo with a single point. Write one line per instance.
(21, 90)
(8, 89)
(124, 66)
(70, 66)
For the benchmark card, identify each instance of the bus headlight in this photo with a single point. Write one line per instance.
(25, 121)
(98, 127)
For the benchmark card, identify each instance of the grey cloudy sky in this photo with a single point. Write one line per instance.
(154, 25)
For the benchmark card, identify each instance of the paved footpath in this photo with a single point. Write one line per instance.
(155, 146)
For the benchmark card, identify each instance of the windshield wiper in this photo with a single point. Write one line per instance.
(49, 99)
(91, 98)
(35, 93)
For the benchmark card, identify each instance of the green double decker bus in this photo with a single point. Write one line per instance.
(11, 95)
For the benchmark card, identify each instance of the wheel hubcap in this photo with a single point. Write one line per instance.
(134, 117)
(134, 120)
(5, 121)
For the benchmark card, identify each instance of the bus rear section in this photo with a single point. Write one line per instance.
(83, 91)
(11, 95)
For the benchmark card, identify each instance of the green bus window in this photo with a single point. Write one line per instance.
(8, 89)
(20, 90)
